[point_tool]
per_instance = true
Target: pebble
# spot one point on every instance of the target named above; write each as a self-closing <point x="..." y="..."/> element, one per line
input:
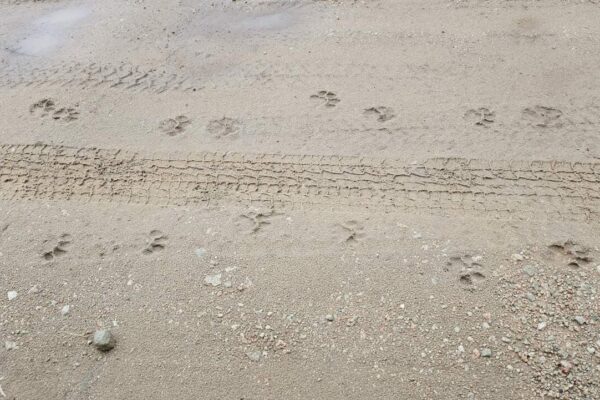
<point x="591" y="350"/>
<point x="485" y="352"/>
<point x="541" y="325"/>
<point x="530" y="270"/>
<point x="530" y="296"/>
<point x="11" y="295"/>
<point x="104" y="340"/>
<point x="8" y="345"/>
<point x="518" y="257"/>
<point x="565" y="367"/>
<point x="200" y="252"/>
<point x="214" y="280"/>
<point x="329" y="317"/>
<point x="34" y="290"/>
<point x="65" y="310"/>
<point x="580" y="320"/>
<point x="253" y="355"/>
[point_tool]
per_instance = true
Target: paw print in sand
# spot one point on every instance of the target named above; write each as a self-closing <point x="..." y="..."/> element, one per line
<point x="329" y="99"/>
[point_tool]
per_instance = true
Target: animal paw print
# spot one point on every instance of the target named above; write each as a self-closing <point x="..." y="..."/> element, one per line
<point x="480" y="116"/>
<point x="259" y="219"/>
<point x="468" y="268"/>
<point x="382" y="113"/>
<point x="351" y="232"/>
<point x="542" y="117"/>
<point x="573" y="254"/>
<point x="156" y="242"/>
<point x="48" y="108"/>
<point x="224" y="127"/>
<point x="64" y="241"/>
<point x="329" y="99"/>
<point x="174" y="126"/>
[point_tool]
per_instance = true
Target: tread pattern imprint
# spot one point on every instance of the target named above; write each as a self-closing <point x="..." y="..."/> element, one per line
<point x="564" y="189"/>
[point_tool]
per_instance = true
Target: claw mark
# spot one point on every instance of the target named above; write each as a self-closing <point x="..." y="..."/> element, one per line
<point x="259" y="219"/>
<point x="155" y="242"/>
<point x="59" y="249"/>
<point x="352" y="232"/>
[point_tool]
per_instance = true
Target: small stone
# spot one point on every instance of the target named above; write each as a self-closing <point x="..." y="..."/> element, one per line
<point x="11" y="295"/>
<point x="580" y="320"/>
<point x="565" y="367"/>
<point x="541" y="326"/>
<point x="485" y="352"/>
<point x="485" y="325"/>
<point x="200" y="252"/>
<point x="213" y="280"/>
<point x="461" y="349"/>
<point x="591" y="350"/>
<point x="65" y="310"/>
<point x="253" y="355"/>
<point x="329" y="317"/>
<point x="518" y="257"/>
<point x="34" y="290"/>
<point x="280" y="344"/>
<point x="530" y="296"/>
<point x="8" y="345"/>
<point x="530" y="270"/>
<point x="104" y="340"/>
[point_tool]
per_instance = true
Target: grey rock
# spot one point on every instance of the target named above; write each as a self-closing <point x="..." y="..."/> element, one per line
<point x="8" y="345"/>
<point x="329" y="317"/>
<point x="486" y="352"/>
<point x="530" y="270"/>
<point x="213" y="280"/>
<point x="104" y="340"/>
<point x="580" y="320"/>
<point x="254" y="355"/>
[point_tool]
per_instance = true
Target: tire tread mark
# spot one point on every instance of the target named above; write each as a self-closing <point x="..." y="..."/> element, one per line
<point x="566" y="189"/>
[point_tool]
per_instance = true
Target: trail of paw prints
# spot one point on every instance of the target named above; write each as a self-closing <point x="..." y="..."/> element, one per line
<point x="480" y="116"/>
<point x="174" y="126"/>
<point x="258" y="219"/>
<point x="58" y="250"/>
<point x="572" y="254"/>
<point x="543" y="117"/>
<point x="47" y="108"/>
<point x="350" y="232"/>
<point x="224" y="127"/>
<point x="326" y="98"/>
<point x="467" y="268"/>
<point x="382" y="113"/>
<point x="155" y="242"/>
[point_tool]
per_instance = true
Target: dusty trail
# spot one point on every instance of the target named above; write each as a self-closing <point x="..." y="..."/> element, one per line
<point x="300" y="199"/>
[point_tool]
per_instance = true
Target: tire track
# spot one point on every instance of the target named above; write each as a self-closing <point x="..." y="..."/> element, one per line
<point x="122" y="76"/>
<point x="564" y="189"/>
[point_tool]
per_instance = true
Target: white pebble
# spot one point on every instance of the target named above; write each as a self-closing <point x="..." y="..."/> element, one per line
<point x="12" y="295"/>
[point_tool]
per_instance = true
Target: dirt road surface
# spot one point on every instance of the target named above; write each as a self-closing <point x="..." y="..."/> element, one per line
<point x="385" y="199"/>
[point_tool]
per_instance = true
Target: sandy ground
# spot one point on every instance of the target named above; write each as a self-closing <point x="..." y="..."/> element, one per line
<point x="300" y="199"/>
